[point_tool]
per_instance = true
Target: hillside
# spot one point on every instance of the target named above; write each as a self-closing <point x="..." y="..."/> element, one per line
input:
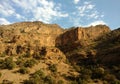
<point x="39" y="53"/>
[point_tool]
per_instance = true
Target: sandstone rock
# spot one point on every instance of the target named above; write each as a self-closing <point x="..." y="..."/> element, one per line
<point x="79" y="34"/>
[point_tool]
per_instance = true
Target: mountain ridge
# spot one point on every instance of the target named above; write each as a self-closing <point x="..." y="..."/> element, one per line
<point x="59" y="53"/>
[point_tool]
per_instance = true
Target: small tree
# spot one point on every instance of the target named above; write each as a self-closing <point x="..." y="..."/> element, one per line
<point x="30" y="63"/>
<point x="53" y="68"/>
<point x="8" y="63"/>
<point x="49" y="80"/>
<point x="23" y="70"/>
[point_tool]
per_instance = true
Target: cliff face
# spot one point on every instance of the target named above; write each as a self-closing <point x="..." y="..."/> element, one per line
<point x="79" y="34"/>
<point x="28" y="33"/>
<point x="49" y="35"/>
<point x="27" y="36"/>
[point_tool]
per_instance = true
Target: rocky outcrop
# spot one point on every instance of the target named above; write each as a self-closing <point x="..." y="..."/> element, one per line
<point x="79" y="34"/>
<point x="40" y="34"/>
<point x="20" y="38"/>
<point x="27" y="35"/>
<point x="32" y="33"/>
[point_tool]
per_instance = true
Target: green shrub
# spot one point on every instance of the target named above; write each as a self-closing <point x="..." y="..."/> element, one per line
<point x="39" y="78"/>
<point x="8" y="63"/>
<point x="53" y="68"/>
<point x="23" y="70"/>
<point x="27" y="54"/>
<point x="38" y="74"/>
<point x="30" y="63"/>
<point x="36" y="78"/>
<point x="20" y="61"/>
<point x="3" y="54"/>
<point x="49" y="80"/>
<point x="86" y="71"/>
<point x="98" y="73"/>
<point x="60" y="82"/>
<point x="0" y="74"/>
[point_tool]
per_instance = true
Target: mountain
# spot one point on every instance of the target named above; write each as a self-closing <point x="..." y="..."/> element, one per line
<point x="39" y="53"/>
<point x="109" y="47"/>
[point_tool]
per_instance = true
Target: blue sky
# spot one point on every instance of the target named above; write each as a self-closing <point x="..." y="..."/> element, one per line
<point x="66" y="13"/>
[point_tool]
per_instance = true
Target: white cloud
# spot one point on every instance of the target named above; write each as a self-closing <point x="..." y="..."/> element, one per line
<point x="86" y="13"/>
<point x="85" y="9"/>
<point x="48" y="11"/>
<point x="76" y="1"/>
<point x="100" y="22"/>
<point x="4" y="21"/>
<point x="94" y="15"/>
<point x="43" y="10"/>
<point x="6" y="9"/>
<point x="89" y="11"/>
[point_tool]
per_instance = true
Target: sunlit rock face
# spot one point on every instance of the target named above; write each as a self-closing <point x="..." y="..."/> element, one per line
<point x="80" y="34"/>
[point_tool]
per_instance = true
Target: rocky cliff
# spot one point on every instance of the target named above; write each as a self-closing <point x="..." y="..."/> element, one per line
<point x="28" y="33"/>
<point x="79" y="34"/>
<point x="46" y="52"/>
<point x="40" y="34"/>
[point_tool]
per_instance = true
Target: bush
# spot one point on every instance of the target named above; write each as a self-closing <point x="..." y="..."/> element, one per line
<point x="53" y="68"/>
<point x="49" y="80"/>
<point x="8" y="63"/>
<point x="3" y="54"/>
<point x="86" y="71"/>
<point x="30" y="63"/>
<point x="20" y="61"/>
<point x="27" y="54"/>
<point x="0" y="74"/>
<point x="23" y="70"/>
<point x="38" y="74"/>
<point x="98" y="73"/>
<point x="36" y="78"/>
<point x="60" y="82"/>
